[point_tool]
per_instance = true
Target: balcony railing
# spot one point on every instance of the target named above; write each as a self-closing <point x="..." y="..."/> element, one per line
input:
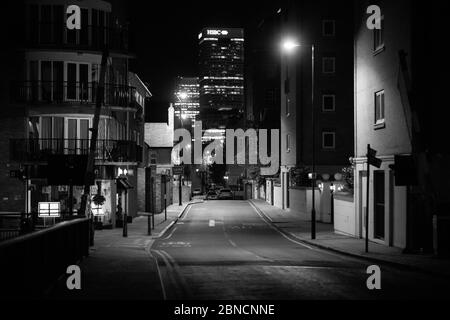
<point x="38" y="150"/>
<point x="54" y="92"/>
<point x="92" y="38"/>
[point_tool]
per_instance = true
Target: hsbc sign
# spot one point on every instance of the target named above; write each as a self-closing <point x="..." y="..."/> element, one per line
<point x="217" y="32"/>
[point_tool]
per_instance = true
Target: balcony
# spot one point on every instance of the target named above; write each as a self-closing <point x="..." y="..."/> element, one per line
<point x="50" y="35"/>
<point x="64" y="92"/>
<point x="108" y="151"/>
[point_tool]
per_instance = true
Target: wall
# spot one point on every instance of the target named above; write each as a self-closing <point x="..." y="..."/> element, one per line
<point x="160" y="135"/>
<point x="277" y="195"/>
<point x="297" y="201"/>
<point x="344" y="214"/>
<point x="186" y="194"/>
<point x="309" y="203"/>
<point x="141" y="189"/>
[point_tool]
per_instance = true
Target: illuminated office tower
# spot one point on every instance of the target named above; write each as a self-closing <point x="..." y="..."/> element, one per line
<point x="221" y="71"/>
<point x="186" y="101"/>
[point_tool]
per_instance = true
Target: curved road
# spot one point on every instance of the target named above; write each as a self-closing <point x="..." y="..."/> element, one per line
<point x="226" y="250"/>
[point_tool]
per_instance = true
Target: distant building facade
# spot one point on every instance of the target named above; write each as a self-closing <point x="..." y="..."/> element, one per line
<point x="186" y="101"/>
<point x="221" y="76"/>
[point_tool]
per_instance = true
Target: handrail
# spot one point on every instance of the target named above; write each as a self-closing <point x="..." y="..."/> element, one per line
<point x="36" y="234"/>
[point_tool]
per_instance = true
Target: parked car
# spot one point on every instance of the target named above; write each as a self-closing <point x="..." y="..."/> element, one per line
<point x="197" y="192"/>
<point x="212" y="195"/>
<point x="225" y="194"/>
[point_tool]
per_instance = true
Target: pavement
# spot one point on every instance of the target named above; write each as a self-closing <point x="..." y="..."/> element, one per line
<point x="116" y="262"/>
<point x="289" y="223"/>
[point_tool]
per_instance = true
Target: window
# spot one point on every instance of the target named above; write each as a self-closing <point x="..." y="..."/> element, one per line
<point x="328" y="140"/>
<point x="328" y="103"/>
<point x="329" y="65"/>
<point x="379" y="109"/>
<point x="328" y="28"/>
<point x="288" y="143"/>
<point x="378" y="37"/>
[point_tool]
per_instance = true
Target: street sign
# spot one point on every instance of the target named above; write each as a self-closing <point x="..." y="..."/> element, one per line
<point x="49" y="210"/>
<point x="372" y="158"/>
<point x="178" y="170"/>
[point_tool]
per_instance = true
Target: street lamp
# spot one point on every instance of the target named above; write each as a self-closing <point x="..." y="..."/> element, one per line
<point x="289" y="45"/>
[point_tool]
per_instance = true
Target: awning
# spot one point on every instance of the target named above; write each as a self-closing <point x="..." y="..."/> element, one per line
<point x="123" y="184"/>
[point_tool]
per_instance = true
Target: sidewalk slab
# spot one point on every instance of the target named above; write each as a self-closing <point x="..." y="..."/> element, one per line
<point x="326" y="238"/>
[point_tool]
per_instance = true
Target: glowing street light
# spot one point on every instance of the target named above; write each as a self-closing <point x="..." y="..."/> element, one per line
<point x="289" y="45"/>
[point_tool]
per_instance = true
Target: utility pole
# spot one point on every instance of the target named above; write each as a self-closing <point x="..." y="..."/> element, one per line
<point x="89" y="176"/>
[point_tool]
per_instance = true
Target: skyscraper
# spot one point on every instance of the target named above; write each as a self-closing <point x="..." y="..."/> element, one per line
<point x="186" y="101"/>
<point x="221" y="71"/>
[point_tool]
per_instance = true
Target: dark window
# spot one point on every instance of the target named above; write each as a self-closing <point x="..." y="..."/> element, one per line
<point x="329" y="28"/>
<point x="329" y="65"/>
<point x="328" y="103"/>
<point x="46" y="24"/>
<point x="329" y="140"/>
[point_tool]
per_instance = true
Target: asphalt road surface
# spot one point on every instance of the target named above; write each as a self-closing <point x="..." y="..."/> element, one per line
<point x="226" y="250"/>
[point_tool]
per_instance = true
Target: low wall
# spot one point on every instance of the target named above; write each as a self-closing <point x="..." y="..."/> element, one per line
<point x="186" y="194"/>
<point x="277" y="197"/>
<point x="309" y="203"/>
<point x="297" y="202"/>
<point x="344" y="214"/>
<point x="31" y="263"/>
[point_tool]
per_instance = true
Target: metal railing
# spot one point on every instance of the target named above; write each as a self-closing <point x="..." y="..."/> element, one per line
<point x="30" y="263"/>
<point x="35" y="150"/>
<point x="54" y="92"/>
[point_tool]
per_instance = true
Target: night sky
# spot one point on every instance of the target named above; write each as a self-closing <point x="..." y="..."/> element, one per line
<point x="165" y="34"/>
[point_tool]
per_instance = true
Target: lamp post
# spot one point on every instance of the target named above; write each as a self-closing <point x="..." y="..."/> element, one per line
<point x="288" y="46"/>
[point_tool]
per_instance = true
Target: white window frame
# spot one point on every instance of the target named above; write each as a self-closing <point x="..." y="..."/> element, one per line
<point x="334" y="140"/>
<point x="324" y="96"/>
<point x="288" y="143"/>
<point x="380" y="115"/>
<point x="324" y="59"/>
<point x="334" y="27"/>
<point x="378" y="47"/>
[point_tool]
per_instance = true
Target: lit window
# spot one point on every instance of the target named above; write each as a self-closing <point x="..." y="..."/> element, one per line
<point x="328" y="103"/>
<point x="379" y="108"/>
<point x="329" y="140"/>
<point x="328" y="28"/>
<point x="329" y="65"/>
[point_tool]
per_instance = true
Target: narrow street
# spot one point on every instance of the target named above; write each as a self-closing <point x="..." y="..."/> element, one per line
<point x="226" y="250"/>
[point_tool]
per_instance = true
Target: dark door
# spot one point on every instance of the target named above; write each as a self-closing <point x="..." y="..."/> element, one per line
<point x="379" y="203"/>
